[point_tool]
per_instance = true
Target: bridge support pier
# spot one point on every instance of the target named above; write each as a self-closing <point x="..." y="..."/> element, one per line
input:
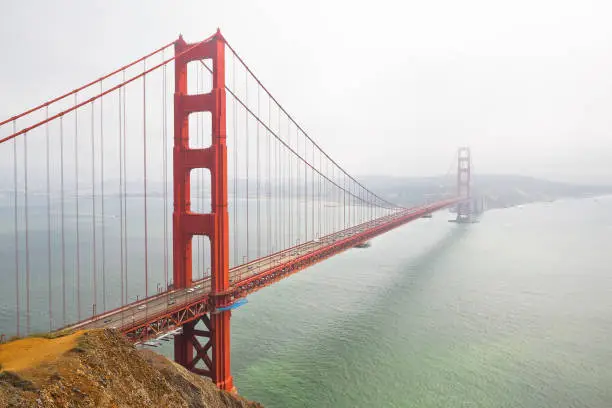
<point x="214" y="352"/>
<point x="207" y="346"/>
<point x="189" y="342"/>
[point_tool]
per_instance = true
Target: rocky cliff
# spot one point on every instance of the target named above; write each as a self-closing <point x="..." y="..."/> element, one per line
<point x="100" y="369"/>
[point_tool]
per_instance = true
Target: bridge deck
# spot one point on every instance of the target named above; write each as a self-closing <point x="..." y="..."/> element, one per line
<point x="161" y="313"/>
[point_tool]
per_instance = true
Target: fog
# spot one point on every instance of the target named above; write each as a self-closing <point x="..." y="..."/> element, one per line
<point x="386" y="88"/>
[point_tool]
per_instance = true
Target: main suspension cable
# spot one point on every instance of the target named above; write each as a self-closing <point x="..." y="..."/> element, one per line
<point x="295" y="122"/>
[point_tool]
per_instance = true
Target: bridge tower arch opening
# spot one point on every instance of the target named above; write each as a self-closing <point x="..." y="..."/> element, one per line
<point x="211" y="344"/>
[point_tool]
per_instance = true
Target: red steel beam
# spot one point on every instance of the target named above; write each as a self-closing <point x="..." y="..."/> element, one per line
<point x="155" y="325"/>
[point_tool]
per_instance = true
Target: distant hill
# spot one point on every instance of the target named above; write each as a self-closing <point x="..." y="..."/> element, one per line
<point x="499" y="190"/>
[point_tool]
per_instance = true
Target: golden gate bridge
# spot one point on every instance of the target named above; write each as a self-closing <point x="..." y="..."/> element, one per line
<point x="204" y="186"/>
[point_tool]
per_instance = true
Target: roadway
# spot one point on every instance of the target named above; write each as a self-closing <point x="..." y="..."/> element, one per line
<point x="146" y="309"/>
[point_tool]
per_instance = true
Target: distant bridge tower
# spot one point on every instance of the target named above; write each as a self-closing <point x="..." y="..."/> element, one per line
<point x="464" y="174"/>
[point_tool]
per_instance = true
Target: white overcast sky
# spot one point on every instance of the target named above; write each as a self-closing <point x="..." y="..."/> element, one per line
<point x="386" y="87"/>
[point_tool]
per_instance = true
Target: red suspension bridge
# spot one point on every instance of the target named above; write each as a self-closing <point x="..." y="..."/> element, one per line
<point x="153" y="207"/>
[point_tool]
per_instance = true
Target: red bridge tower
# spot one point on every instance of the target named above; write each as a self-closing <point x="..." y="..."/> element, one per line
<point x="215" y="225"/>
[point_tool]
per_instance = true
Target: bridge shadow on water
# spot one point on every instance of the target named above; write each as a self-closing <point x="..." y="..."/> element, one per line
<point x="334" y="367"/>
<point x="422" y="267"/>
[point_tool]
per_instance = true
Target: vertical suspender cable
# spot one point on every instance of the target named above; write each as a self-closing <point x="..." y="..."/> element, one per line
<point x="335" y="201"/>
<point x="312" y="192"/>
<point x="125" y="215"/>
<point x="63" y="230"/>
<point x="269" y="158"/>
<point x="27" y="230"/>
<point x="16" y="231"/>
<point x="144" y="165"/>
<point x="350" y="203"/>
<point x="258" y="183"/>
<point x="272" y="194"/>
<point x="305" y="192"/>
<point x="102" y="192"/>
<point x="49" y="223"/>
<point x="290" y="165"/>
<point x="327" y="196"/>
<point x="361" y="205"/>
<point x="287" y="196"/>
<point x="349" y="206"/>
<point x="76" y="183"/>
<point x="358" y="206"/>
<point x="342" y="197"/>
<point x="344" y="200"/>
<point x="280" y="190"/>
<point x="306" y="189"/>
<point x="121" y="233"/>
<point x="235" y="137"/>
<point x="269" y="186"/>
<point x="165" y="169"/>
<point x="356" y="192"/>
<point x="330" y="194"/>
<point x="93" y="204"/>
<point x="297" y="187"/>
<point x="202" y="179"/>
<point x="305" y="197"/>
<point x="306" y="212"/>
<point x="319" y="194"/>
<point x="356" y="201"/>
<point x="198" y="181"/>
<point x="277" y="196"/>
<point x="286" y="228"/>
<point x="280" y="218"/>
<point x="246" y="121"/>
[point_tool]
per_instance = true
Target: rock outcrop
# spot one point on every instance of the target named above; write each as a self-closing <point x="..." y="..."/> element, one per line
<point x="100" y="369"/>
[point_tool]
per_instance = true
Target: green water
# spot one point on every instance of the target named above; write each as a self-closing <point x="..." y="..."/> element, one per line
<point x="515" y="311"/>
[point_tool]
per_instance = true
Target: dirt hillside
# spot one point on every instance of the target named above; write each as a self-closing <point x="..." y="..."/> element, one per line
<point x="100" y="369"/>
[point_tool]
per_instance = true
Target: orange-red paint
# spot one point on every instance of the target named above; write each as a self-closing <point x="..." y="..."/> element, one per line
<point x="214" y="225"/>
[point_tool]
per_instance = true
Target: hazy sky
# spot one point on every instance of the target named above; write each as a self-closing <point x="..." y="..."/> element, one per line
<point x="386" y="87"/>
